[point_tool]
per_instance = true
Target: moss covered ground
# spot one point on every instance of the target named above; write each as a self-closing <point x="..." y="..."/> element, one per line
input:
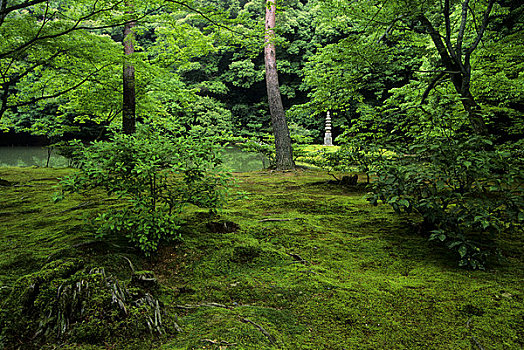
<point x="292" y="262"/>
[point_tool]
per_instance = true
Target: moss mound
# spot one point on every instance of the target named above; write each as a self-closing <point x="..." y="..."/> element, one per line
<point x="68" y="301"/>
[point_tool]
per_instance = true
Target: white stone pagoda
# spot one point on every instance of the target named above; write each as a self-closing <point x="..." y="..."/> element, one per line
<point x="328" y="140"/>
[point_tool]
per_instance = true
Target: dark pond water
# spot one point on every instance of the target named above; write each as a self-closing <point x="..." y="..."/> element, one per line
<point x="233" y="158"/>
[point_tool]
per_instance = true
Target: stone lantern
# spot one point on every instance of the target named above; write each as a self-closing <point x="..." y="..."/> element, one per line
<point x="328" y="140"/>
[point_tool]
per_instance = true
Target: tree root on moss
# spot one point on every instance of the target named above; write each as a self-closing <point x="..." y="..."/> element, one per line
<point x="259" y="327"/>
<point x="130" y="263"/>
<point x="69" y="301"/>
<point x="87" y="204"/>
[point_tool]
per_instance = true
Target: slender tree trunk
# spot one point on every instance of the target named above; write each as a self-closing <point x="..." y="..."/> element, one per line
<point x="129" y="103"/>
<point x="3" y="7"/>
<point x="459" y="73"/>
<point x="284" y="152"/>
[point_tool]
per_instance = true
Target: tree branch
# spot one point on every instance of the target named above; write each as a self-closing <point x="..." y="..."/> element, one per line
<point x="480" y="33"/>
<point x="448" y="61"/>
<point x="44" y="21"/>
<point x="376" y="14"/>
<point x="447" y="24"/>
<point x="431" y="86"/>
<point x="45" y="97"/>
<point x="4" y="10"/>
<point x="388" y="29"/>
<point x="76" y="26"/>
<point x="207" y="18"/>
<point x="462" y="28"/>
<point x="3" y="6"/>
<point x="7" y="84"/>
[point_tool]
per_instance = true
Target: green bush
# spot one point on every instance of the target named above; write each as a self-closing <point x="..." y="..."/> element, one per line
<point x="157" y="174"/>
<point x="467" y="190"/>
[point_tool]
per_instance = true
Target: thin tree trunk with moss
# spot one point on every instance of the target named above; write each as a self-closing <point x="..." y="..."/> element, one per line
<point x="284" y="152"/>
<point x="128" y="101"/>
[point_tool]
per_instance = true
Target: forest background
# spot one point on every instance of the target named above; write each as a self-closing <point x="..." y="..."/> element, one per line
<point x="426" y="100"/>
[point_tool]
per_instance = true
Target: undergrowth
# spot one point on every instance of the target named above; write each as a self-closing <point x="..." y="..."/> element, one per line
<point x="296" y="262"/>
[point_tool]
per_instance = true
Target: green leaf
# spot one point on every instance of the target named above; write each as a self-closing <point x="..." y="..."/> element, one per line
<point x="404" y="202"/>
<point x="463" y="250"/>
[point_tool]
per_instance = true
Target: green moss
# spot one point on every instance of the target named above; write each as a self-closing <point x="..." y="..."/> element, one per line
<point x="334" y="272"/>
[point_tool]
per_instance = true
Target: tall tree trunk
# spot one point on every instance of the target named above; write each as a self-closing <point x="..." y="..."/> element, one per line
<point x="128" y="100"/>
<point x="284" y="152"/>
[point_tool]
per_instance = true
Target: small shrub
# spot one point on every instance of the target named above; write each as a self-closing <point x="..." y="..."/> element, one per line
<point x="157" y="175"/>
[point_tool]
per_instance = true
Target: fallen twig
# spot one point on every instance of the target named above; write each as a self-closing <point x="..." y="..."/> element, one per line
<point x="130" y="263"/>
<point x="477" y="343"/>
<point x="221" y="342"/>
<point x="336" y="178"/>
<point x="479" y="346"/>
<point x="266" y="333"/>
<point x="192" y="306"/>
<point x="298" y="258"/>
<point x="266" y="220"/>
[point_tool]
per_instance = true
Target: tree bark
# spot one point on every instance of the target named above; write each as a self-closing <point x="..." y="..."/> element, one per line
<point x="3" y="11"/>
<point x="283" y="149"/>
<point x="129" y="99"/>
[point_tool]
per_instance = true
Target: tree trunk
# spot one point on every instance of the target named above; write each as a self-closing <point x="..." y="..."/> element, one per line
<point x="3" y="11"/>
<point x="284" y="152"/>
<point x="128" y="101"/>
<point x="460" y="76"/>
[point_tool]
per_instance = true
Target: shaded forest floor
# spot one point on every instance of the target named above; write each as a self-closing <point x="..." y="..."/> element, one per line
<point x="295" y="262"/>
